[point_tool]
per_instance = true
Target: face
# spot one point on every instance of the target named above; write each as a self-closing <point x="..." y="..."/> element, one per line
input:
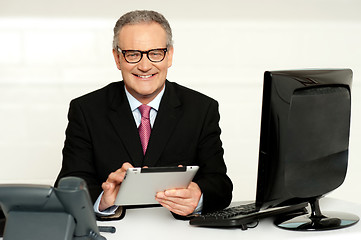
<point x="145" y="79"/>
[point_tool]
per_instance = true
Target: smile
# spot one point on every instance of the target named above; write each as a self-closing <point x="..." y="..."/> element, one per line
<point x="144" y="76"/>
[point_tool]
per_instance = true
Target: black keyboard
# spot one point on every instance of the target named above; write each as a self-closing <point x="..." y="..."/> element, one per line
<point x="243" y="215"/>
<point x="232" y="212"/>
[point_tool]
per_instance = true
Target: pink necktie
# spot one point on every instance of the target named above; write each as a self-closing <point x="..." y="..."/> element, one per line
<point x="144" y="127"/>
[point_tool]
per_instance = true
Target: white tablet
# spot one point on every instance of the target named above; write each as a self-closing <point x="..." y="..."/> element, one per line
<point x="140" y="185"/>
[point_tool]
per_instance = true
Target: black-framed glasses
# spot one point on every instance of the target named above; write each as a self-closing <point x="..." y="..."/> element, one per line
<point x="134" y="56"/>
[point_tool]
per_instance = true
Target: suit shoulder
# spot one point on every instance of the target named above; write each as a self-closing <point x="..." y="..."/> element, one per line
<point x="100" y="94"/>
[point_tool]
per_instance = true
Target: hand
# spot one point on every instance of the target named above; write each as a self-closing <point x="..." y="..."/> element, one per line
<point x="180" y="201"/>
<point x="111" y="186"/>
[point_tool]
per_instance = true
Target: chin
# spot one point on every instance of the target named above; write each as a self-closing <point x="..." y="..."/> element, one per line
<point x="145" y="89"/>
<point x="146" y="92"/>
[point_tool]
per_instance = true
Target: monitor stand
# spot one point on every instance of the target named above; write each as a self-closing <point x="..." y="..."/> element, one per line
<point x="316" y="221"/>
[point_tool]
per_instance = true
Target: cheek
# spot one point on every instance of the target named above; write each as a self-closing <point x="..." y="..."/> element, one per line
<point x="125" y="68"/>
<point x="164" y="67"/>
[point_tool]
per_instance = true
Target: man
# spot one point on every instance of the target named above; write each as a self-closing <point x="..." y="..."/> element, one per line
<point x="102" y="138"/>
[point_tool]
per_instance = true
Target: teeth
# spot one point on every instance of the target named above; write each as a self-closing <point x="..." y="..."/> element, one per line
<point x="148" y="76"/>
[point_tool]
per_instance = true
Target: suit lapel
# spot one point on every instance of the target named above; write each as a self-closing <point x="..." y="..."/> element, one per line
<point x="123" y="122"/>
<point x="167" y="118"/>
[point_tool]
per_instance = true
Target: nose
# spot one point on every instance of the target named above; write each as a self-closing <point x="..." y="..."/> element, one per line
<point x="145" y="64"/>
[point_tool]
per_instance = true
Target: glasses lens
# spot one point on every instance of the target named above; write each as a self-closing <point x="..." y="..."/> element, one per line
<point x="156" y="55"/>
<point x="133" y="56"/>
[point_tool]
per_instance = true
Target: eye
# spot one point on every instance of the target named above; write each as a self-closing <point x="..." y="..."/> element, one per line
<point x="132" y="54"/>
<point x="156" y="53"/>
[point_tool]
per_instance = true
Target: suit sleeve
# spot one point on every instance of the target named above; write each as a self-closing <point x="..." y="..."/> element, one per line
<point x="212" y="179"/>
<point x="78" y="151"/>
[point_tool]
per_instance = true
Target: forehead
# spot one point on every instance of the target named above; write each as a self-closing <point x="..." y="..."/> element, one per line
<point x="142" y="36"/>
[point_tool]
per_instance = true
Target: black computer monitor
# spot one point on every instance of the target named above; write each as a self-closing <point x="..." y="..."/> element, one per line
<point x="304" y="141"/>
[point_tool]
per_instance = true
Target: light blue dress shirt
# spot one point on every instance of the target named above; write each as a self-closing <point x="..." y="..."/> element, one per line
<point x="134" y="104"/>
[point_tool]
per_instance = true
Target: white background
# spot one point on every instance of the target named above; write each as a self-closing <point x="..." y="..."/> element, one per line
<point x="53" y="51"/>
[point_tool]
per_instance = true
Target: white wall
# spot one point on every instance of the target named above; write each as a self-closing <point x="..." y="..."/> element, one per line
<point x="54" y="51"/>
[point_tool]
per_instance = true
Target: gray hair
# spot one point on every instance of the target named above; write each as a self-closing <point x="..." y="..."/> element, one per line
<point x="142" y="16"/>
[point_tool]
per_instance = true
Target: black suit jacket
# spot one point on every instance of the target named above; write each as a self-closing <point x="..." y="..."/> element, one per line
<point x="102" y="135"/>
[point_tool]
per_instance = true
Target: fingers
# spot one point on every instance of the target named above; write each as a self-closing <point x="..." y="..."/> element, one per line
<point x="180" y="201"/>
<point x="117" y="177"/>
<point x="110" y="191"/>
<point x="126" y="165"/>
<point x="182" y="210"/>
<point x="178" y="193"/>
<point x="178" y="205"/>
<point x="111" y="186"/>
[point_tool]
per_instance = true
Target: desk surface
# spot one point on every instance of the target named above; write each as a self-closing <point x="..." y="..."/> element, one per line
<point x="158" y="223"/>
<point x="154" y="223"/>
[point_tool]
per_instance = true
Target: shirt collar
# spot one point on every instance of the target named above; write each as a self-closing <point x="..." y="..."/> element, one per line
<point x="134" y="103"/>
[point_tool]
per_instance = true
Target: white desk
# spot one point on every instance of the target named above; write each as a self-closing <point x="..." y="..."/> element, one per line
<point x="158" y="223"/>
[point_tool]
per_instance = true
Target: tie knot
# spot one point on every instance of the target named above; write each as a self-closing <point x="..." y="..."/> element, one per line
<point x="144" y="110"/>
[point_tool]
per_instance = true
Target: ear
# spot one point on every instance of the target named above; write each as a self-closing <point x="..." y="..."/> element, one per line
<point x="116" y="58"/>
<point x="170" y="56"/>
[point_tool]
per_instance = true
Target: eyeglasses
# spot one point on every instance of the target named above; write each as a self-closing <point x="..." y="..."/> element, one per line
<point x="134" y="56"/>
